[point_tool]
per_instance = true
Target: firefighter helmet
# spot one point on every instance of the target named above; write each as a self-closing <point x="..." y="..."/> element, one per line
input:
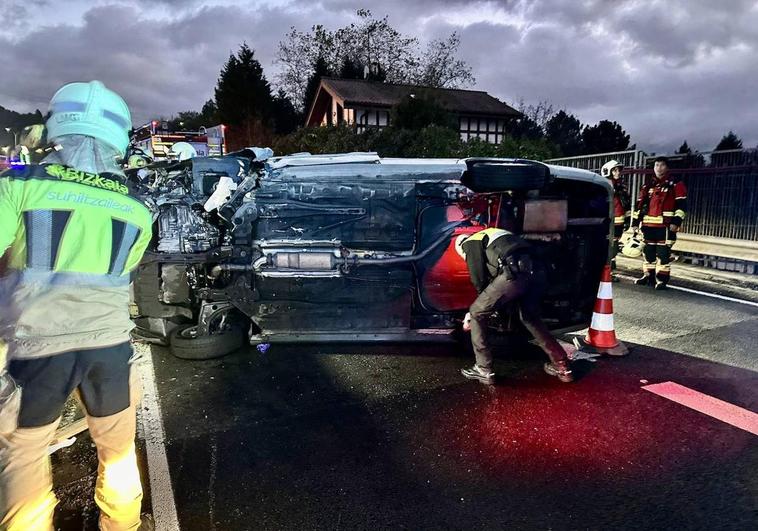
<point x="607" y="169"/>
<point x="633" y="247"/>
<point x="90" y="109"/>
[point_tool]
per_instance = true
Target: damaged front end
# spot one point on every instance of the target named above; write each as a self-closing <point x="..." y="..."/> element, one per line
<point x="351" y="247"/>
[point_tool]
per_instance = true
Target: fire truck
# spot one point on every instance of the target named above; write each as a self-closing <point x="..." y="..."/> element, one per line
<point x="157" y="141"/>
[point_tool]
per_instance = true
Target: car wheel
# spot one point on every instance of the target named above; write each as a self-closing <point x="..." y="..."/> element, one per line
<point x="187" y="345"/>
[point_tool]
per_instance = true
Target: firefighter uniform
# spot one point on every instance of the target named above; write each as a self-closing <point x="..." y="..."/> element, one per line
<point x="661" y="203"/>
<point x="71" y="233"/>
<point x="621" y="214"/>
<point x="72" y="239"/>
<point x="503" y="271"/>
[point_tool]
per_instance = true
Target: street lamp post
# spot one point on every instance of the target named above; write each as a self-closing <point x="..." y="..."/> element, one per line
<point x="15" y="136"/>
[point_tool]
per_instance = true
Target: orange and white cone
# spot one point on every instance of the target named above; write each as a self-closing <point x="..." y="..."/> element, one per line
<point x="601" y="336"/>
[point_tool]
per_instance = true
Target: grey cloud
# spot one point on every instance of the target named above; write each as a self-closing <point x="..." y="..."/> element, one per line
<point x="159" y="68"/>
<point x="665" y="70"/>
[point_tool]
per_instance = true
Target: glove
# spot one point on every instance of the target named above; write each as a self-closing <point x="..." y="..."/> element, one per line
<point x="467" y="322"/>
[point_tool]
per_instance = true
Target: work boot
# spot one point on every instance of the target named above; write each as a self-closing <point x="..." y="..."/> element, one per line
<point x="485" y="376"/>
<point x="660" y="286"/>
<point x="561" y="370"/>
<point x="645" y="280"/>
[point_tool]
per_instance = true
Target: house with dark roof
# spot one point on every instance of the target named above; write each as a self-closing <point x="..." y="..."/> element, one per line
<point x="364" y="104"/>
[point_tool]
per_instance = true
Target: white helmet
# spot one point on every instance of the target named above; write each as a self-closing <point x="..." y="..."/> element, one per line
<point x="633" y="247"/>
<point x="607" y="168"/>
<point x="182" y="151"/>
<point x="90" y="109"/>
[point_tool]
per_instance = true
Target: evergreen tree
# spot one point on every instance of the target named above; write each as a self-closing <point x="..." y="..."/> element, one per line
<point x="565" y="131"/>
<point x="320" y="69"/>
<point x="243" y="98"/>
<point x="684" y="149"/>
<point x="729" y="141"/>
<point x="604" y="137"/>
<point x="525" y="128"/>
<point x="350" y="69"/>
<point x="285" y="118"/>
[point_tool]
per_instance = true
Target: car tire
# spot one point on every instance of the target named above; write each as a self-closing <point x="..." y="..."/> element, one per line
<point x="492" y="176"/>
<point x="184" y="345"/>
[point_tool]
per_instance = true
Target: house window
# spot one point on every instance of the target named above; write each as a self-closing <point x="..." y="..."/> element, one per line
<point x="489" y="129"/>
<point x="371" y="118"/>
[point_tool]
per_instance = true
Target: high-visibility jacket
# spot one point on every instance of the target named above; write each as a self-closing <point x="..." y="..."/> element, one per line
<point x="661" y="203"/>
<point x="68" y="242"/>
<point x="485" y="252"/>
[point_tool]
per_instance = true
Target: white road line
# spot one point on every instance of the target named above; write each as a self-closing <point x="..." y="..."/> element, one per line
<point x="151" y="429"/>
<point x="704" y="293"/>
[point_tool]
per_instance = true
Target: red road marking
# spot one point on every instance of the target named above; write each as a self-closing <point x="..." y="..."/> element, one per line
<point x="713" y="407"/>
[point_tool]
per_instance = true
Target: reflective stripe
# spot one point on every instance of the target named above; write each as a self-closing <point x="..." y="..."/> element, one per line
<point x="668" y="213"/>
<point x="680" y="213"/>
<point x="492" y="233"/>
<point x="652" y="219"/>
<point x="605" y="291"/>
<point x="118" y="120"/>
<point x="123" y="238"/>
<point x="59" y="278"/>
<point x="618" y="220"/>
<point x="39" y="238"/>
<point x="681" y="197"/>
<point x="664" y="267"/>
<point x="602" y="322"/>
<point x="69" y="106"/>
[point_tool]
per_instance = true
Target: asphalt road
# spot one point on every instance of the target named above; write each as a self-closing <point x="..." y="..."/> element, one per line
<point x="391" y="437"/>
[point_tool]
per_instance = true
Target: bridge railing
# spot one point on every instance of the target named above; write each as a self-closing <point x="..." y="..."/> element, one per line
<point x="722" y="218"/>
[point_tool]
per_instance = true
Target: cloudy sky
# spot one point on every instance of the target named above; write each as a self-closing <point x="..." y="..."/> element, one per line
<point x="666" y="70"/>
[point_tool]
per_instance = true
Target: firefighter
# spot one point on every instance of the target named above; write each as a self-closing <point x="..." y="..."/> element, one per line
<point x="621" y="204"/>
<point x="73" y="230"/>
<point x="661" y="208"/>
<point x="503" y="270"/>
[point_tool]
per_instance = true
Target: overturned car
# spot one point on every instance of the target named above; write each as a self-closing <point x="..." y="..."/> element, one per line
<point x="352" y="247"/>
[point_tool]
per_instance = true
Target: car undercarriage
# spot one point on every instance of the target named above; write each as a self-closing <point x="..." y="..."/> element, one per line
<point x="351" y="247"/>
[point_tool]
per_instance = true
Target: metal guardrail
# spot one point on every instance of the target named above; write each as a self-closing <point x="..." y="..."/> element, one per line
<point x="630" y="159"/>
<point x="722" y="217"/>
<point x="710" y="246"/>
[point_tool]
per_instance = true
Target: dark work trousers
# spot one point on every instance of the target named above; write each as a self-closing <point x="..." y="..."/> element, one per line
<point x="527" y="290"/>
<point x="618" y="230"/>
<point x="658" y="243"/>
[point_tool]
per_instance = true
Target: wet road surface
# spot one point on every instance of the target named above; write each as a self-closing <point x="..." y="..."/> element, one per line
<point x="391" y="437"/>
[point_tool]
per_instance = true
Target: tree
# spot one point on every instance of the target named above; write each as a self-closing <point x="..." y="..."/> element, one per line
<point x="684" y="149"/>
<point x="16" y="122"/>
<point x="540" y="113"/>
<point x="439" y="66"/>
<point x="691" y="160"/>
<point x="285" y="118"/>
<point x="604" y="137"/>
<point x="419" y="111"/>
<point x="373" y="44"/>
<point x="350" y="69"/>
<point x="243" y="98"/>
<point x="729" y="141"/>
<point x="524" y="127"/>
<point x="320" y="70"/>
<point x="565" y="131"/>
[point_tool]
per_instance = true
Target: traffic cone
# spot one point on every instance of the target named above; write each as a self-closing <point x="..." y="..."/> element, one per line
<point x="601" y="337"/>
